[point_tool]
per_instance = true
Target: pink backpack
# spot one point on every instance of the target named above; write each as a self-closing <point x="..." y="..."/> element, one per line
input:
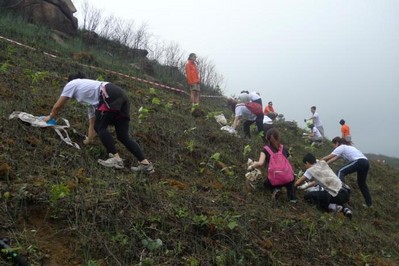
<point x="280" y="170"/>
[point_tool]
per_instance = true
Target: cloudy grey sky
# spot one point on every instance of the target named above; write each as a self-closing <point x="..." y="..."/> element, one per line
<point x="340" y="55"/>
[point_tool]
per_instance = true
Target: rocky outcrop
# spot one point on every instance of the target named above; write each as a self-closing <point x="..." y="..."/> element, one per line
<point x="55" y="14"/>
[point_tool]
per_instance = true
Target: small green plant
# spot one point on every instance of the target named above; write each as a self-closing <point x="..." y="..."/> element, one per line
<point x="143" y="113"/>
<point x="120" y="238"/>
<point x="200" y="220"/>
<point x="247" y="150"/>
<point x="212" y="115"/>
<point x="169" y="106"/>
<point x="189" y="130"/>
<point x="92" y="263"/>
<point x="192" y="261"/>
<point x="194" y="107"/>
<point x="151" y="244"/>
<point x="4" y="67"/>
<point x="153" y="91"/>
<point x="39" y="76"/>
<point x="58" y="192"/>
<point x="190" y="145"/>
<point x="181" y="213"/>
<point x="216" y="157"/>
<point x="211" y="162"/>
<point x="156" y="101"/>
<point x="100" y="77"/>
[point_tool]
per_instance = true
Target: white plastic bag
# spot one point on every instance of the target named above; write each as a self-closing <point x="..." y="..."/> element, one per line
<point x="221" y="119"/>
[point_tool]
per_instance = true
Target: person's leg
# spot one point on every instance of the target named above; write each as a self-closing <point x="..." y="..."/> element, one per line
<point x="321" y="130"/>
<point x="291" y="191"/>
<point x="122" y="134"/>
<point x="347" y="169"/>
<point x="102" y="121"/>
<point x="320" y="198"/>
<point x="247" y="128"/>
<point x="259" y="124"/>
<point x="197" y="97"/>
<point x="361" y="180"/>
<point x="341" y="198"/>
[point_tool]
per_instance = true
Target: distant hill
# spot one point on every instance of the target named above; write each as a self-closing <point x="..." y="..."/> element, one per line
<point x="379" y="158"/>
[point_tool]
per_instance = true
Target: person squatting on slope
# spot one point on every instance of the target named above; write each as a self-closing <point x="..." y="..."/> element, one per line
<point x="274" y="145"/>
<point x="193" y="78"/>
<point x="243" y="113"/>
<point x="315" y="135"/>
<point x="269" y="111"/>
<point x="357" y="162"/>
<point x="329" y="193"/>
<point x="109" y="105"/>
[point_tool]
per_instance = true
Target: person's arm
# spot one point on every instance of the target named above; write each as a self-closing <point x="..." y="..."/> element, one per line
<point x="300" y="181"/>
<point x="330" y="158"/>
<point x="91" y="133"/>
<point x="56" y="108"/>
<point x="236" y="122"/>
<point x="259" y="163"/>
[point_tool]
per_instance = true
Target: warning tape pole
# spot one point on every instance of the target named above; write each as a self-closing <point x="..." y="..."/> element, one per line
<point x="114" y="72"/>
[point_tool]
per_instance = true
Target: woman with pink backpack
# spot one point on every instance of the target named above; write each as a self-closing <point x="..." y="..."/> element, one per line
<point x="279" y="169"/>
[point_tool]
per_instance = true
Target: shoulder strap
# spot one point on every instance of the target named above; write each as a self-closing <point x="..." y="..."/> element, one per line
<point x="268" y="150"/>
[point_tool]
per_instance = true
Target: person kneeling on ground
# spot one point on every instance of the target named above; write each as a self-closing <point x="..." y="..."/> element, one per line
<point x="332" y="194"/>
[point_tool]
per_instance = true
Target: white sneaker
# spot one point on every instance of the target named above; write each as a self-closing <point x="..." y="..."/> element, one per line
<point x="348" y="213"/>
<point x="145" y="168"/>
<point x="112" y="162"/>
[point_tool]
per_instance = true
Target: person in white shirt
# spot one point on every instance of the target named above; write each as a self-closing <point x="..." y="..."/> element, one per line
<point x="253" y="96"/>
<point x="316" y="120"/>
<point x="245" y="115"/>
<point x="357" y="162"/>
<point x="108" y="105"/>
<point x="315" y="135"/>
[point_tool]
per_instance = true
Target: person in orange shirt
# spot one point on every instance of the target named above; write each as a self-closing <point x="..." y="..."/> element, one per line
<point x="345" y="130"/>
<point x="269" y="111"/>
<point x="193" y="79"/>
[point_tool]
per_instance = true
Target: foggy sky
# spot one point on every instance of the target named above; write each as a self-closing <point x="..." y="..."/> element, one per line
<point x="342" y="56"/>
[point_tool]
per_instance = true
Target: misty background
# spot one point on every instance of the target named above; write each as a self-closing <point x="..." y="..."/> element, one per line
<point x="341" y="56"/>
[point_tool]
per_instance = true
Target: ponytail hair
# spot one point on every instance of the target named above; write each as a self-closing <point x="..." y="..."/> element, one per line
<point x="340" y="141"/>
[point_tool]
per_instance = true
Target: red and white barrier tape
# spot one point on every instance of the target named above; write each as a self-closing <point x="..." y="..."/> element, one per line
<point x="114" y="72"/>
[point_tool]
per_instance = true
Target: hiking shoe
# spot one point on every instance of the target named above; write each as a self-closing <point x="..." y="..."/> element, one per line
<point x="112" y="162"/>
<point x="275" y="194"/>
<point x="144" y="168"/>
<point x="348" y="213"/>
<point x="367" y="206"/>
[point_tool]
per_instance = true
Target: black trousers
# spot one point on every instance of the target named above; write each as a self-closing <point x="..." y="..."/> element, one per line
<point x="105" y="119"/>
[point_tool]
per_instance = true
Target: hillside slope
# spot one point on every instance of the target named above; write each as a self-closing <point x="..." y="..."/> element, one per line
<point x="62" y="208"/>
